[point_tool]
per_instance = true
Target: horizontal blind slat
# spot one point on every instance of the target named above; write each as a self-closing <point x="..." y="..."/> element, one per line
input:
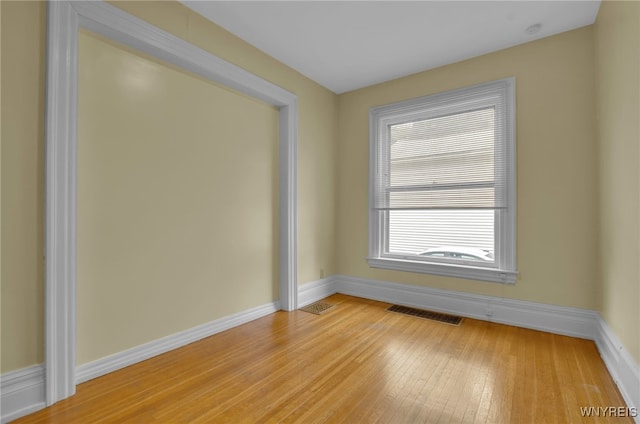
<point x="413" y="232"/>
<point x="453" y="156"/>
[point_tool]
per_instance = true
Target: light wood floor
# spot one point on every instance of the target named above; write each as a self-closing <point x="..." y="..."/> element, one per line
<point x="356" y="363"/>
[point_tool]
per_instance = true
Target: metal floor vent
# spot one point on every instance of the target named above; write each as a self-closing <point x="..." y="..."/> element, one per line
<point x="317" y="308"/>
<point x="434" y="316"/>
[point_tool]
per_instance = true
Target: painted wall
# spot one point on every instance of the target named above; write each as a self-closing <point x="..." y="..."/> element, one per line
<point x="559" y="258"/>
<point x="23" y="65"/>
<point x="617" y="37"/>
<point x="556" y="159"/>
<point x="317" y="126"/>
<point x="177" y="200"/>
<point x="23" y="50"/>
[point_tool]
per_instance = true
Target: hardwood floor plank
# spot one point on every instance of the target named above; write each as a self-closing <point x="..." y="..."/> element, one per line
<point x="355" y="363"/>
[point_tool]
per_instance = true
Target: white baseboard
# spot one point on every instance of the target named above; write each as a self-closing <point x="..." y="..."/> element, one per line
<point x="622" y="367"/>
<point x="553" y="319"/>
<point x="22" y="392"/>
<point x="562" y="320"/>
<point x="137" y="354"/>
<point x="316" y="290"/>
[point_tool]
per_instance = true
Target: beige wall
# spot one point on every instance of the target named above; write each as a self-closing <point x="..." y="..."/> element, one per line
<point x="23" y="49"/>
<point x="558" y="214"/>
<point x="317" y="126"/>
<point x="23" y="65"/>
<point x="556" y="157"/>
<point x="177" y="201"/>
<point x="617" y="36"/>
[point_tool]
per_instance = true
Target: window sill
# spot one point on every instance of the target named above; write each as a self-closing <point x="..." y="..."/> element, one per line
<point x="457" y="271"/>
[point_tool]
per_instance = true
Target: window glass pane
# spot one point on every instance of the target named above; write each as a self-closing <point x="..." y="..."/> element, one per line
<point x="454" y="149"/>
<point x="457" y="234"/>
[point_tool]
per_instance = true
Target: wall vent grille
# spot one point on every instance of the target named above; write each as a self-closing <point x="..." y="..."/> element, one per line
<point x="317" y="308"/>
<point x="420" y="313"/>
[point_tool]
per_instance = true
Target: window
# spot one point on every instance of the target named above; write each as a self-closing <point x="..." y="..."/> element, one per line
<point x="442" y="184"/>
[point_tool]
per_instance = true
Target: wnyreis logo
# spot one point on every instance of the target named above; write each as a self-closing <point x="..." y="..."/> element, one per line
<point x="608" y="411"/>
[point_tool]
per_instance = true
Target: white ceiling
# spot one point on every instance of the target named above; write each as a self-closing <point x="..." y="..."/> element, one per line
<point x="345" y="45"/>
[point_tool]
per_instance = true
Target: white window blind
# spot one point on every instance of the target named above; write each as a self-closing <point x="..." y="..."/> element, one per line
<point x="442" y="183"/>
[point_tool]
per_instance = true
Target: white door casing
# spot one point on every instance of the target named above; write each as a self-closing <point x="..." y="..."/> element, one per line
<point x="65" y="18"/>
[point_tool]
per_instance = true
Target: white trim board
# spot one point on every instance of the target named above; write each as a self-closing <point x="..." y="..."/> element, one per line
<point x="137" y="354"/>
<point x="65" y="18"/>
<point x="622" y="367"/>
<point x="22" y="392"/>
<point x="316" y="290"/>
<point x="537" y="316"/>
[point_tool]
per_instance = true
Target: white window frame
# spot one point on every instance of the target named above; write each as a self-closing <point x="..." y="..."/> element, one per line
<point x="503" y="270"/>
